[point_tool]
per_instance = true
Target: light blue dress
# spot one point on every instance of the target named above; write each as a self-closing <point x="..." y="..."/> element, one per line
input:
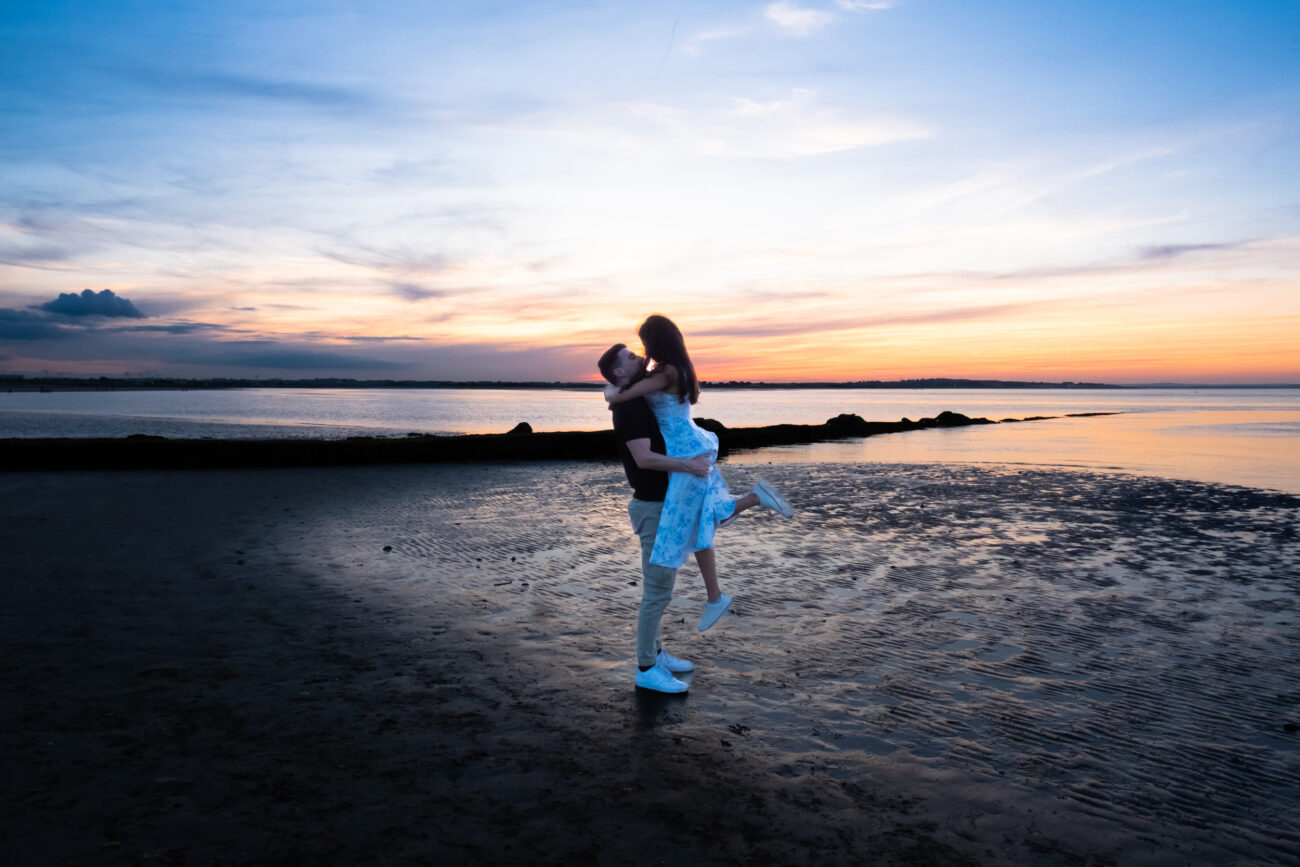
<point x="693" y="506"/>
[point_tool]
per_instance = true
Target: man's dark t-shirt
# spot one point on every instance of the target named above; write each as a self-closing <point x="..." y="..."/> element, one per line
<point x="634" y="420"/>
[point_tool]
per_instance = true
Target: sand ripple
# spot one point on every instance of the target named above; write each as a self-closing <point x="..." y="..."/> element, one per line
<point x="1100" y="647"/>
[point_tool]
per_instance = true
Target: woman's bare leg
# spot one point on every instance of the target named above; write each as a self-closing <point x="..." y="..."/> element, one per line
<point x="708" y="563"/>
<point x="748" y="501"/>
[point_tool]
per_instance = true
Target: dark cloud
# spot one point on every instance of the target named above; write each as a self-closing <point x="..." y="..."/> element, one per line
<point x="414" y="292"/>
<point x="394" y="339"/>
<point x="260" y="354"/>
<point x="1169" y="251"/>
<point x="89" y="303"/>
<point x="24" y="325"/>
<point x="179" y="328"/>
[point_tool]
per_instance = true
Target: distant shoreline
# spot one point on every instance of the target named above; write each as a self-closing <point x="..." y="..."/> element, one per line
<point x="105" y="383"/>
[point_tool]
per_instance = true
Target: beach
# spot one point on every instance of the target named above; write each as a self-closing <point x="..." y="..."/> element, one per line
<point x="931" y="664"/>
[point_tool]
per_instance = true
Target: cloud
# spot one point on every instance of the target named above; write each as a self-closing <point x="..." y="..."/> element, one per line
<point x="695" y="44"/>
<point x="865" y="5"/>
<point x="406" y="259"/>
<point x="413" y="292"/>
<point x="33" y="256"/>
<point x="50" y="321"/>
<point x="1170" y="251"/>
<point x="397" y="338"/>
<point x="22" y="325"/>
<point x="262" y="354"/>
<point x="796" y="126"/>
<point x="179" y="328"/>
<point x="922" y="317"/>
<point x="220" y="84"/>
<point x="796" y="19"/>
<point x="89" y="303"/>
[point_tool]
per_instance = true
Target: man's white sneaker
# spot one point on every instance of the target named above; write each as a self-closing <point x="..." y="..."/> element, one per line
<point x="673" y="664"/>
<point x="714" y="610"/>
<point x="770" y="499"/>
<point x="658" y="679"/>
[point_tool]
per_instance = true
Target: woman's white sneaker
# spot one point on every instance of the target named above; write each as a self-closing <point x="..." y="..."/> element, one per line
<point x="770" y="499"/>
<point x="713" y="611"/>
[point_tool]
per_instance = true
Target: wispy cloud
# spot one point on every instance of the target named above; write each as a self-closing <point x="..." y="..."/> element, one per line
<point x="176" y="328"/>
<point x="797" y="125"/>
<point x="797" y="20"/>
<point x="865" y="5"/>
<point x="696" y="43"/>
<point x="770" y="328"/>
<point x="1170" y="251"/>
<point x="255" y="354"/>
<point x="414" y="291"/>
<point x="35" y="255"/>
<point x="199" y="83"/>
<point x="406" y="259"/>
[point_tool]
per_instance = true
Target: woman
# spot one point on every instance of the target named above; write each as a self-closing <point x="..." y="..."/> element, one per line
<point x="694" y="507"/>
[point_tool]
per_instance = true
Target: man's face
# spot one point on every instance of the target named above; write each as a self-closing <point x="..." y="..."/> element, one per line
<point x="630" y="366"/>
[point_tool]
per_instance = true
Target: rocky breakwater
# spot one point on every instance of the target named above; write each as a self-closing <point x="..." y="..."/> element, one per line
<point x="521" y="443"/>
<point x="843" y="426"/>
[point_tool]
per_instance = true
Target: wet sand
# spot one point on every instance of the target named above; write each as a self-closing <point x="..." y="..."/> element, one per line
<point x="433" y="664"/>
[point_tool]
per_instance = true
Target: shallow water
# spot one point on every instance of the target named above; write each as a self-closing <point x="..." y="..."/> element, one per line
<point x="1259" y="449"/>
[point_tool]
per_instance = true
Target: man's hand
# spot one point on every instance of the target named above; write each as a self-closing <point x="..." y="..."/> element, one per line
<point x="700" y="465"/>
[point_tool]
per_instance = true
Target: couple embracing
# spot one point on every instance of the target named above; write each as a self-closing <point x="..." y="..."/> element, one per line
<point x="678" y="496"/>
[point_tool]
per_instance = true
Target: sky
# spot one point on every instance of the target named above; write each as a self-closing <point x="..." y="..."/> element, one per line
<point x="835" y="190"/>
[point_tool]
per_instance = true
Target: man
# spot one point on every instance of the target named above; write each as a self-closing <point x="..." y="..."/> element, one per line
<point x="641" y="447"/>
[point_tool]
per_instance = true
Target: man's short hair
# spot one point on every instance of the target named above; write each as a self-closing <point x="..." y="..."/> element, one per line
<point x="609" y="361"/>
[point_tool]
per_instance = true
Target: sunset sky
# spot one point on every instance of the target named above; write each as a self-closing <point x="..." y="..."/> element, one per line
<point x="833" y="190"/>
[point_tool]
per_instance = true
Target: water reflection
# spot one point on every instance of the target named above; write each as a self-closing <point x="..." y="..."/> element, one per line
<point x="1258" y="449"/>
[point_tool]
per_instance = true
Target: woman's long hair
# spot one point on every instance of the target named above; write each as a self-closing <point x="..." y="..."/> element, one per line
<point x="664" y="345"/>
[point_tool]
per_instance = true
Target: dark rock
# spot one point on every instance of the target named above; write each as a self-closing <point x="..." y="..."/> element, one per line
<point x="522" y="428"/>
<point x="947" y="418"/>
<point x="711" y="425"/>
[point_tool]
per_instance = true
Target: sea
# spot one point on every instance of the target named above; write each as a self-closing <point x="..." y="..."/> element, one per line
<point x="1236" y="436"/>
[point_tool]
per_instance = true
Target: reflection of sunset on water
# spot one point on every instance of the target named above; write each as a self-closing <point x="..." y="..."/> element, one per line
<point x="1255" y="449"/>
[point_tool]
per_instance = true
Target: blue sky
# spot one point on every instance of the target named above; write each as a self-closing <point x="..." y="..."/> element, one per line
<point x="837" y="190"/>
